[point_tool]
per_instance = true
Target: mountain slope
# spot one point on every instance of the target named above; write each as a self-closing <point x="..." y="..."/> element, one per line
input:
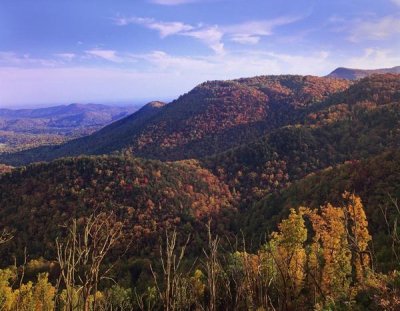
<point x="376" y="180"/>
<point x="112" y="137"/>
<point x="148" y="196"/>
<point x="355" y="74"/>
<point x="213" y="117"/>
<point x="363" y="121"/>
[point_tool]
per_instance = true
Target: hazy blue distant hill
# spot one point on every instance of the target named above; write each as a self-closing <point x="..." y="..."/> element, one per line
<point x="355" y="74"/>
<point x="63" y="117"/>
<point x="27" y="128"/>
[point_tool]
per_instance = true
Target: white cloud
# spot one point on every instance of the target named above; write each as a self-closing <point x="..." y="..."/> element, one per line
<point x="378" y="29"/>
<point x="245" y="39"/>
<point x="261" y="27"/>
<point x="252" y="31"/>
<point x="234" y="65"/>
<point x="211" y="36"/>
<point x="14" y="59"/>
<point x="109" y="55"/>
<point x="373" y="58"/>
<point x="164" y="28"/>
<point x="243" y="33"/>
<point x="396" y="2"/>
<point x="66" y="56"/>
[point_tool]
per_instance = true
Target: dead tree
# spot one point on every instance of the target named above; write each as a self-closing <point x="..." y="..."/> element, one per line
<point x="171" y="262"/>
<point x="82" y="253"/>
<point x="212" y="266"/>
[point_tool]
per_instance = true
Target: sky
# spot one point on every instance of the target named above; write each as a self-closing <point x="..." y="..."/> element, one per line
<point x="132" y="51"/>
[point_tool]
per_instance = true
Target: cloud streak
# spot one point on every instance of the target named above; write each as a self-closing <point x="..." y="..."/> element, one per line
<point x="109" y="55"/>
<point x="164" y="28"/>
<point x="252" y="31"/>
<point x="211" y="36"/>
<point x="248" y="33"/>
<point x="373" y="58"/>
<point x="378" y="29"/>
<point x="396" y="2"/>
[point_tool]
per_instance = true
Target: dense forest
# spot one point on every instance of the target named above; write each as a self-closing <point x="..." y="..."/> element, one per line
<point x="264" y="193"/>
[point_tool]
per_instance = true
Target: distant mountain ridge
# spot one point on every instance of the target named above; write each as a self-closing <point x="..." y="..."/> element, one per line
<point x="213" y="117"/>
<point x="77" y="114"/>
<point x="355" y="74"/>
<point x="27" y="128"/>
<point x="260" y="146"/>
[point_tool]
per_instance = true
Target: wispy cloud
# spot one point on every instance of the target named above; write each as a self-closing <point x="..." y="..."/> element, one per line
<point x="243" y="33"/>
<point x="234" y="65"/>
<point x="252" y="31"/>
<point x="372" y="58"/>
<point x="211" y="36"/>
<point x="164" y="28"/>
<point x="21" y="60"/>
<point x="396" y="2"/>
<point x="66" y="56"/>
<point x="109" y="55"/>
<point x="245" y="39"/>
<point x="378" y="29"/>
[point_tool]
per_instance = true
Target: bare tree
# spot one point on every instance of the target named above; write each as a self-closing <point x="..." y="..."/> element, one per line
<point x="392" y="227"/>
<point x="212" y="267"/>
<point x="82" y="253"/>
<point x="171" y="262"/>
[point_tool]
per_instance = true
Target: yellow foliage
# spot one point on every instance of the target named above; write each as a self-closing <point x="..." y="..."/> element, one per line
<point x="198" y="284"/>
<point x="287" y="247"/>
<point x="24" y="300"/>
<point x="7" y="295"/>
<point x="359" y="236"/>
<point x="44" y="293"/>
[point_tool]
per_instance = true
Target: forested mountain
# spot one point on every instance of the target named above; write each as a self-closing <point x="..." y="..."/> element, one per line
<point x="28" y="128"/>
<point x="362" y="121"/>
<point x="148" y="196"/>
<point x="307" y="131"/>
<point x="355" y="74"/>
<point x="62" y="117"/>
<point x="376" y="180"/>
<point x="211" y="118"/>
<point x="273" y="192"/>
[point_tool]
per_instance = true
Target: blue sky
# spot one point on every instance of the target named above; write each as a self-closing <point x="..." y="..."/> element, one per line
<point x="64" y="51"/>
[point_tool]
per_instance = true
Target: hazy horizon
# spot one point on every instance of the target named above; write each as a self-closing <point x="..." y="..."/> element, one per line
<point x="122" y="103"/>
<point x="74" y="51"/>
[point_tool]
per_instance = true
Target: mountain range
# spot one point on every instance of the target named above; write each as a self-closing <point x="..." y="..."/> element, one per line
<point x="355" y="74"/>
<point x="27" y="128"/>
<point x="239" y="153"/>
<point x="212" y="118"/>
<point x="256" y="136"/>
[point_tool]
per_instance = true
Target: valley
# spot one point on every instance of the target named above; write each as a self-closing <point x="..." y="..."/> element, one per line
<point x="246" y="164"/>
<point x="28" y="128"/>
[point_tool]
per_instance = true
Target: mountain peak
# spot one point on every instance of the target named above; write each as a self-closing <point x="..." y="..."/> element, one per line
<point x="156" y="104"/>
<point x="355" y="74"/>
